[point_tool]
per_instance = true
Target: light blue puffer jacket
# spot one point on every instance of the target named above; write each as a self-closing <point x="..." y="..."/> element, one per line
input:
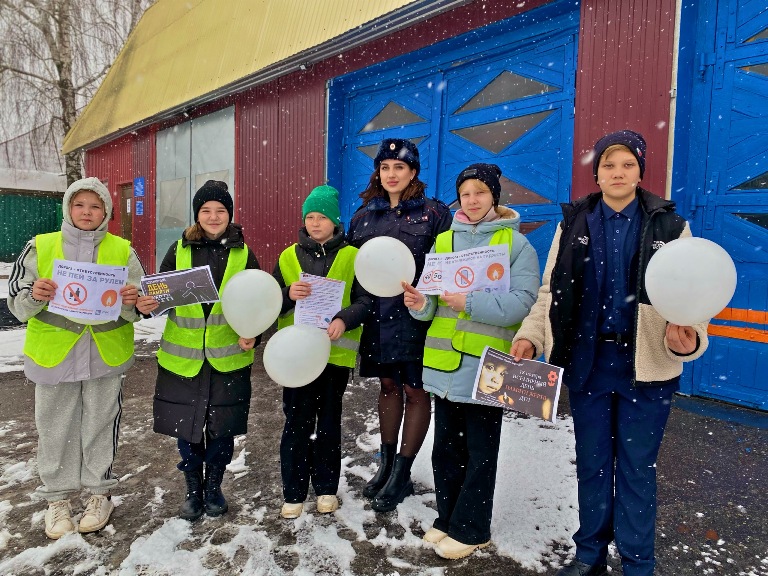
<point x="495" y="309"/>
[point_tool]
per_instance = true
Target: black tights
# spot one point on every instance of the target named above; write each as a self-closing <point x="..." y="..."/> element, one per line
<point x="417" y="411"/>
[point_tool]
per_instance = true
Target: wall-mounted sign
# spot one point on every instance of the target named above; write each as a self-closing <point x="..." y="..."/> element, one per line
<point x="139" y="208"/>
<point x="138" y="186"/>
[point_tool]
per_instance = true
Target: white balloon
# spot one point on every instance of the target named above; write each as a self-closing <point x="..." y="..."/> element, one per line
<point x="297" y="355"/>
<point x="251" y="302"/>
<point x="382" y="264"/>
<point x="690" y="280"/>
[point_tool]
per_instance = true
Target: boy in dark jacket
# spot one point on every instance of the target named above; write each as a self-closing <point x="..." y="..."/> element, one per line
<point x="310" y="448"/>
<point x="622" y="360"/>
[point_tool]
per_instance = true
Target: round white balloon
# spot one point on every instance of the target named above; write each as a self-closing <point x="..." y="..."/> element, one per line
<point x="251" y="302"/>
<point x="382" y="264"/>
<point x="690" y="280"/>
<point x="297" y="355"/>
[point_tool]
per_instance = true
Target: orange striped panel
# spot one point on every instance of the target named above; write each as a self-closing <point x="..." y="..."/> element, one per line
<point x="741" y="315"/>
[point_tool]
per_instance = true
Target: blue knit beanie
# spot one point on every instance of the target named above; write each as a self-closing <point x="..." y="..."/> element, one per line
<point x="632" y="140"/>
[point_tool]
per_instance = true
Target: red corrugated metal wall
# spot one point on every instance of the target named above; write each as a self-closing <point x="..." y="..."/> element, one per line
<point x="280" y="154"/>
<point x="113" y="165"/>
<point x="279" y="159"/>
<point x="623" y="81"/>
<point x="144" y="225"/>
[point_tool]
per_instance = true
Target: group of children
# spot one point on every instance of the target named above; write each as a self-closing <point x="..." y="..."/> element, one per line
<point x="591" y="315"/>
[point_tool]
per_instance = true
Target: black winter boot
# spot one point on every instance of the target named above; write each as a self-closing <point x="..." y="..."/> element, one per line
<point x="397" y="487"/>
<point x="192" y="508"/>
<point x="214" y="501"/>
<point x="382" y="474"/>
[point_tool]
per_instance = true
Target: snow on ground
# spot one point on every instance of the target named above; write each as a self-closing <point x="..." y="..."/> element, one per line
<point x="535" y="454"/>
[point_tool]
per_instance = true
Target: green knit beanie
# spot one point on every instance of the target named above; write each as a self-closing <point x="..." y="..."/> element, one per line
<point x="323" y="199"/>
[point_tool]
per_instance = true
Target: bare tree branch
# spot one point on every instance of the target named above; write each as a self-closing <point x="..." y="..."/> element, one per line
<point x="53" y="56"/>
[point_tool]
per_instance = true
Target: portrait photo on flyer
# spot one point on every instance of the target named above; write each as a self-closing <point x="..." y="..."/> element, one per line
<point x="527" y="386"/>
<point x="180" y="287"/>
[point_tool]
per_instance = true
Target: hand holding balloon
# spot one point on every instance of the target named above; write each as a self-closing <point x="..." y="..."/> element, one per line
<point x="681" y="339"/>
<point x="246" y="343"/>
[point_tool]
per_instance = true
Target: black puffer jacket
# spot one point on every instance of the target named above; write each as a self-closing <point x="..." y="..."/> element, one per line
<point x="391" y="334"/>
<point x="184" y="407"/>
<point x="317" y="259"/>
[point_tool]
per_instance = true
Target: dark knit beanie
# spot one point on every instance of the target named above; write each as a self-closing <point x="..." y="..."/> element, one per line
<point x="398" y="149"/>
<point x="487" y="173"/>
<point x="213" y="190"/>
<point x="323" y="199"/>
<point x="632" y="140"/>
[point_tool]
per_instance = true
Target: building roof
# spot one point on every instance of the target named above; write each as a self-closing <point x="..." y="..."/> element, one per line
<point x="184" y="53"/>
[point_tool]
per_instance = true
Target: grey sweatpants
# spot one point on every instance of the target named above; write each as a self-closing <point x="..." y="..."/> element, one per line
<point x="77" y="426"/>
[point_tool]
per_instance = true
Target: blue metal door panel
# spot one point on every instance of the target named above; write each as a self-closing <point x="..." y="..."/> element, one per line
<point x="730" y="202"/>
<point x="504" y="95"/>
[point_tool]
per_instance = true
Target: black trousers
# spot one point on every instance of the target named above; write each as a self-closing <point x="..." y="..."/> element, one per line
<point x="464" y="460"/>
<point x="213" y="452"/>
<point x="310" y="448"/>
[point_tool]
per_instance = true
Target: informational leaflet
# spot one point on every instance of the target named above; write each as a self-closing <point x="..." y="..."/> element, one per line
<point x="87" y="293"/>
<point x="180" y="287"/>
<point x="319" y="308"/>
<point x="485" y="268"/>
<point x="528" y="386"/>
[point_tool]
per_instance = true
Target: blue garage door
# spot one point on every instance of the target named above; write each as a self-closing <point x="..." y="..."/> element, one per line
<point x="502" y="94"/>
<point x="733" y="208"/>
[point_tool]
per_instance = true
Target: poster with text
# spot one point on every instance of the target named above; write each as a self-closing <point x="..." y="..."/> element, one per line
<point x="527" y="386"/>
<point x="485" y="269"/>
<point x="180" y="287"/>
<point x="87" y="293"/>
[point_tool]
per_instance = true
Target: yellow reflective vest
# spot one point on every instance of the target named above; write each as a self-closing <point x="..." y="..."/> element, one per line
<point x="189" y="337"/>
<point x="51" y="336"/>
<point x="343" y="350"/>
<point x="453" y="333"/>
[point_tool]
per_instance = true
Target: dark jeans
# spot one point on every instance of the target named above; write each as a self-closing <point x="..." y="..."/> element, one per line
<point x="618" y="431"/>
<point x="464" y="460"/>
<point x="310" y="448"/>
<point x="213" y="452"/>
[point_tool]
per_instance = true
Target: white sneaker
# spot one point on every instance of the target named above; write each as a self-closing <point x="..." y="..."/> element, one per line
<point x="97" y="511"/>
<point x="290" y="510"/>
<point x="58" y="519"/>
<point x="327" y="503"/>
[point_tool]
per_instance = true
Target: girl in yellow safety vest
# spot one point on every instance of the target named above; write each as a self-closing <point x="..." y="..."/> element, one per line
<point x="203" y="388"/>
<point x="467" y="432"/>
<point x="78" y="366"/>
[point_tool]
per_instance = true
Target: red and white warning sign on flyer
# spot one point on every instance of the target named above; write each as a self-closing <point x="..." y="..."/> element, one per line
<point x="87" y="293"/>
<point x="485" y="269"/>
